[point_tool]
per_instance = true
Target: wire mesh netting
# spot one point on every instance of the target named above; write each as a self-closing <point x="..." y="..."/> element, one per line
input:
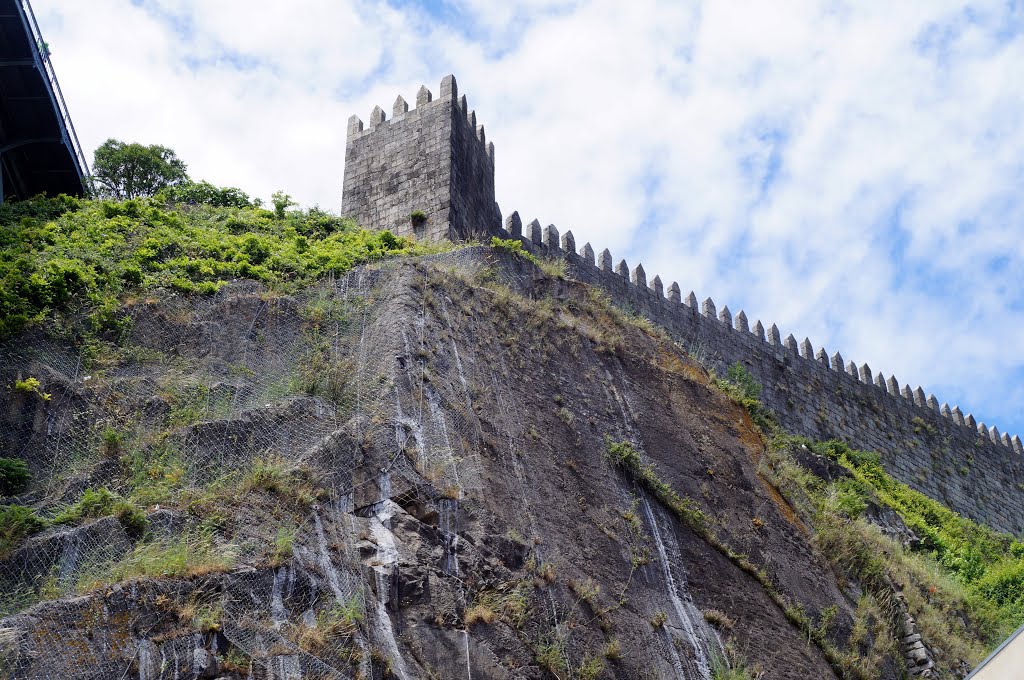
<point x="249" y="434"/>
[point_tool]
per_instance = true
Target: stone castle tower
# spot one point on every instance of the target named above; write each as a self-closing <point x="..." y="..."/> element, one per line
<point x="433" y="159"/>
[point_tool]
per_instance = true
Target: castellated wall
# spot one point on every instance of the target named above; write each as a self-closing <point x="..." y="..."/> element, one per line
<point x="970" y="467"/>
<point x="433" y="158"/>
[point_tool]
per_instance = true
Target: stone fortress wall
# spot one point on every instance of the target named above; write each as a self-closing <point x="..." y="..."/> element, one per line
<point x="435" y="159"/>
<point x="972" y="468"/>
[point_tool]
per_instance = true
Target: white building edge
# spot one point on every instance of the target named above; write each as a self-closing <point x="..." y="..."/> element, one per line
<point x="1005" y="663"/>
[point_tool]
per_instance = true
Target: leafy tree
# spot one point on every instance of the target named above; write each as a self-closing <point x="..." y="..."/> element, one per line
<point x="125" y="171"/>
<point x="282" y="202"/>
<point x="204" y="192"/>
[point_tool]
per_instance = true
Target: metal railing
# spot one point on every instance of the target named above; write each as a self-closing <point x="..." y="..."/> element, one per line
<point x="41" y="56"/>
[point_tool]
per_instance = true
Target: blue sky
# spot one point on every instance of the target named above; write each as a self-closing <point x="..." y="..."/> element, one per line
<point x="852" y="171"/>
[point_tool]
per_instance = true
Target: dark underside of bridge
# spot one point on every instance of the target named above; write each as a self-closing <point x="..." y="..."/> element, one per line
<point x="37" y="150"/>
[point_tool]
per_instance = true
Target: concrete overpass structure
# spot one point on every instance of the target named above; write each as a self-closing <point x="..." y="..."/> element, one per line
<point x="39" y="151"/>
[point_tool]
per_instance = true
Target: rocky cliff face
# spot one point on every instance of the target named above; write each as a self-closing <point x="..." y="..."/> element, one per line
<point x="405" y="473"/>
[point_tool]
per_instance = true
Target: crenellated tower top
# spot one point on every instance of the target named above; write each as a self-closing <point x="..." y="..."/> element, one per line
<point x="428" y="172"/>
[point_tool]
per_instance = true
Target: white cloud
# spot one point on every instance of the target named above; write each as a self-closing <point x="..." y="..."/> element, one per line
<point x="756" y="152"/>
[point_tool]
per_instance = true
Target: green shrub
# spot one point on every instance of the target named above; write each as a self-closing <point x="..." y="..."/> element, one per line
<point x="37" y="208"/>
<point x="550" y="655"/>
<point x="987" y="567"/>
<point x="110" y="320"/>
<point x="590" y="669"/>
<point x="207" y="618"/>
<point x="958" y="565"/>
<point x="963" y="546"/>
<point x="93" y="503"/>
<point x="1004" y="583"/>
<point x="282" y="478"/>
<point x="132" y="518"/>
<point x="282" y="202"/>
<point x="31" y="386"/>
<point x="333" y="625"/>
<point x="132" y="275"/>
<point x="509" y="601"/>
<point x="157" y="474"/>
<point x="514" y="246"/>
<point x="14" y="476"/>
<point x="730" y="665"/>
<point x="345" y="616"/>
<point x="849" y="498"/>
<point x="96" y="503"/>
<point x="17" y="522"/>
<point x="62" y="256"/>
<point x="283" y="545"/>
<point x="204" y="192"/>
<point x="748" y="386"/>
<point x="112" y="440"/>
<point x="269" y="475"/>
<point x="744" y="389"/>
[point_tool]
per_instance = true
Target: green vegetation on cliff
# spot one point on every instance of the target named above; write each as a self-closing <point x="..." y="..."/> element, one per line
<point x="64" y="254"/>
<point x="227" y="467"/>
<point x="17" y="522"/>
<point x="990" y="565"/>
<point x="963" y="581"/>
<point x="14" y="476"/>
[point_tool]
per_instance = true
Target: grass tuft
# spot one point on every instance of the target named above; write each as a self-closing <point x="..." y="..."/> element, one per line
<point x="192" y="554"/>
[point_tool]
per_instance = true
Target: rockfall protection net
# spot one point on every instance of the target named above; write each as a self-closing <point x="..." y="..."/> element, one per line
<point x="247" y="427"/>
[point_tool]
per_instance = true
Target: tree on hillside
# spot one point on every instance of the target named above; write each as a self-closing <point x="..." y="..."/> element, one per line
<point x="124" y="171"/>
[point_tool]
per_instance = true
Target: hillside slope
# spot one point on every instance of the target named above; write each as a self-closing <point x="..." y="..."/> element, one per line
<point x="452" y="466"/>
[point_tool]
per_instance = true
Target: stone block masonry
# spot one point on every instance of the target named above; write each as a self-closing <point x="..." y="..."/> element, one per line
<point x="433" y="159"/>
<point x="969" y="467"/>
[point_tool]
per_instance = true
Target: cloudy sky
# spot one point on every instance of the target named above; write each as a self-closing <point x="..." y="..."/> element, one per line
<point x="852" y="171"/>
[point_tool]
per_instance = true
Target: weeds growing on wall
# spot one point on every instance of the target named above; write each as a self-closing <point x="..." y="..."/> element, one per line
<point x="623" y="455"/>
<point x="981" y="569"/>
<point x="731" y="665"/>
<point x="745" y="390"/>
<point x="418" y="218"/>
<point x="31" y="386"/>
<point x="553" y="267"/>
<point x="64" y="254"/>
<point x="514" y="246"/>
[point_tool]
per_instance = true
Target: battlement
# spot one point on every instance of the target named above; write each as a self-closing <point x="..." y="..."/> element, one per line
<point x="427" y="173"/>
<point x="974" y="469"/>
